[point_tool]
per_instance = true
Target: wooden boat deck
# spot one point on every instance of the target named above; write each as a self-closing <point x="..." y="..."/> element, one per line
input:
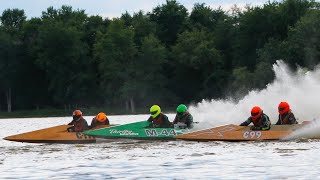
<point x="233" y="132"/>
<point x="56" y="134"/>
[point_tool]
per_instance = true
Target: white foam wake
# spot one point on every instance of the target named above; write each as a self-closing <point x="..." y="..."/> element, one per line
<point x="300" y="89"/>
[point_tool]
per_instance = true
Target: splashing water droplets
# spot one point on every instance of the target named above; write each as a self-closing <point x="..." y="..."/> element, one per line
<point x="300" y="89"/>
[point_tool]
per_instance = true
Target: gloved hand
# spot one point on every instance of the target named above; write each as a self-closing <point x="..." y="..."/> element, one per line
<point x="70" y="129"/>
<point x="254" y="128"/>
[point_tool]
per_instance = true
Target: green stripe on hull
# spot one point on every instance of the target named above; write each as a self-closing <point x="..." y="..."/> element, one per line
<point x="136" y="130"/>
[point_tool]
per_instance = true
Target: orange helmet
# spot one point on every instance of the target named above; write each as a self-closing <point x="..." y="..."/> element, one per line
<point x="283" y="107"/>
<point x="256" y="112"/>
<point x="101" y="117"/>
<point x="77" y="113"/>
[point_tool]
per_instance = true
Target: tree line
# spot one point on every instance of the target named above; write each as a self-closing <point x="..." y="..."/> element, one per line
<point x="68" y="59"/>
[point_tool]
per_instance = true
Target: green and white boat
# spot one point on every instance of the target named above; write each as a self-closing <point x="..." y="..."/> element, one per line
<point x="136" y="130"/>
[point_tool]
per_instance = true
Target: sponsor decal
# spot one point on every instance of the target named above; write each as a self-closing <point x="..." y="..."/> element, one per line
<point x="80" y="135"/>
<point x="252" y="134"/>
<point x="123" y="132"/>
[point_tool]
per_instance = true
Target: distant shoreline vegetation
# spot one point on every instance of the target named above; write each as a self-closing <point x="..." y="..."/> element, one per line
<point x="167" y="56"/>
<point x="68" y="113"/>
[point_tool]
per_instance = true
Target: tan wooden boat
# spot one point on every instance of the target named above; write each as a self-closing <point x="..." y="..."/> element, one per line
<point x="56" y="134"/>
<point x="233" y="132"/>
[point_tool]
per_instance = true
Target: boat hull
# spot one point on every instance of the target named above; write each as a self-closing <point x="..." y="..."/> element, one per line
<point x="56" y="134"/>
<point x="136" y="130"/>
<point x="233" y="132"/>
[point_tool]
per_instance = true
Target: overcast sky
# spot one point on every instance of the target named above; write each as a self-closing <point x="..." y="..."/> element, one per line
<point x="113" y="8"/>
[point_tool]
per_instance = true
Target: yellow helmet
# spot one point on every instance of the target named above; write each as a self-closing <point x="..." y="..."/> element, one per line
<point x="155" y="110"/>
<point x="101" y="117"/>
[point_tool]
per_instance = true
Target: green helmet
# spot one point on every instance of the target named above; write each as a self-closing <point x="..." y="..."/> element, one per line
<point x="181" y="108"/>
<point x="155" y="110"/>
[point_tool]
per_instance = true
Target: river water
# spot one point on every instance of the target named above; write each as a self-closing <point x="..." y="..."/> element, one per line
<point x="128" y="159"/>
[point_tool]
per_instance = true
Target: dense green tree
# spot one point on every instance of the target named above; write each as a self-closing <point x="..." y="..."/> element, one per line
<point x="66" y="15"/>
<point x="12" y="21"/>
<point x="142" y="26"/>
<point x="203" y="16"/>
<point x="224" y="34"/>
<point x="171" y="20"/>
<point x="127" y="19"/>
<point x="147" y="83"/>
<point x="272" y="51"/>
<point x="290" y="11"/>
<point x="8" y="64"/>
<point x="196" y="59"/>
<point x="241" y="82"/>
<point x="33" y="81"/>
<point x="115" y="52"/>
<point x="256" y="26"/>
<point x="65" y="70"/>
<point x="303" y="41"/>
<point x="165" y="56"/>
<point x="263" y="75"/>
<point x="93" y="25"/>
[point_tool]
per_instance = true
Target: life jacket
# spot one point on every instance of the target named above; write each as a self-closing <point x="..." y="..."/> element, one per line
<point x="182" y="120"/>
<point x="285" y="119"/>
<point x="259" y="122"/>
<point x="158" y="121"/>
<point x="79" y="125"/>
<point x="96" y="123"/>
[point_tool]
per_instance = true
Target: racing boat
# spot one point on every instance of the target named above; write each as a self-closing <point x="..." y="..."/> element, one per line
<point x="56" y="134"/>
<point x="233" y="132"/>
<point x="136" y="130"/>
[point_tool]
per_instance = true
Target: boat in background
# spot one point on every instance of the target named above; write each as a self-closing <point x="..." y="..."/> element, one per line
<point x="136" y="130"/>
<point x="233" y="132"/>
<point x="56" y="134"/>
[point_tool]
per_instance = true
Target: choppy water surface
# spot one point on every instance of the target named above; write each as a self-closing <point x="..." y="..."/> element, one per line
<point x="129" y="159"/>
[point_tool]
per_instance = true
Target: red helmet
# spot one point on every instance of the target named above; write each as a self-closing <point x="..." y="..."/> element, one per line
<point x="283" y="108"/>
<point x="77" y="113"/>
<point x="256" y="112"/>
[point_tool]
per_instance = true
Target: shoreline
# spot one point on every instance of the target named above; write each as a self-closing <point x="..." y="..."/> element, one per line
<point x="68" y="113"/>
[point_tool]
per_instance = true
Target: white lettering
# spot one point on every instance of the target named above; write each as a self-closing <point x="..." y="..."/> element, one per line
<point x="245" y="134"/>
<point x="258" y="133"/>
<point x="123" y="132"/>
<point x="252" y="134"/>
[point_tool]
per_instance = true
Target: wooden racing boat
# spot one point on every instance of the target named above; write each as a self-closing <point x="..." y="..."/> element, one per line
<point x="233" y="132"/>
<point x="136" y="130"/>
<point x="56" y="134"/>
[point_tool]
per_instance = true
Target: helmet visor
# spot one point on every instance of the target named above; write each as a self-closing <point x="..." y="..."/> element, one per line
<point x="281" y="109"/>
<point x="153" y="112"/>
<point x="254" y="114"/>
<point x="76" y="117"/>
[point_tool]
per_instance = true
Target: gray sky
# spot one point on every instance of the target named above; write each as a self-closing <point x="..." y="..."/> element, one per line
<point x="113" y="8"/>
